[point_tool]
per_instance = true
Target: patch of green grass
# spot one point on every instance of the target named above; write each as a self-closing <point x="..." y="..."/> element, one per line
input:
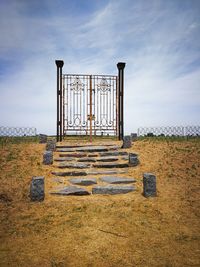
<point x="170" y="138"/>
<point x="11" y="156"/>
<point x="18" y="140"/>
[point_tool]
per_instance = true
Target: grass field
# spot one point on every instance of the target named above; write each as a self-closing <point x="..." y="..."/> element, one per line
<point x="108" y="231"/>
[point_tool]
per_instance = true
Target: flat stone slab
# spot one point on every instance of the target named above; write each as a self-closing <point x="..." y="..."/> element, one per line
<point x="112" y="189"/>
<point x="73" y="165"/>
<point x="64" y="159"/>
<point x="88" y="149"/>
<point x="107" y="159"/>
<point x="117" y="180"/>
<point x="57" y="180"/>
<point x="72" y="173"/>
<point x="71" y="190"/>
<point x="83" y="181"/>
<point x="84" y="173"/>
<point x="105" y="172"/>
<point x="87" y="160"/>
<point x="73" y="155"/>
<point x="111" y="165"/>
<point x="70" y="146"/>
<point x="114" y="153"/>
<point x="83" y="145"/>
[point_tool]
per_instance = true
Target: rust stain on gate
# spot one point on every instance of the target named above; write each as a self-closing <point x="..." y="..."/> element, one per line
<point x="89" y="104"/>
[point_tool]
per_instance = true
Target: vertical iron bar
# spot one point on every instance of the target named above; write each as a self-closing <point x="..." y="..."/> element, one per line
<point x="116" y="108"/>
<point x="59" y="64"/>
<point x="121" y="67"/>
<point x="90" y="108"/>
<point x="63" y="105"/>
<point x="61" y="97"/>
<point x="58" y="109"/>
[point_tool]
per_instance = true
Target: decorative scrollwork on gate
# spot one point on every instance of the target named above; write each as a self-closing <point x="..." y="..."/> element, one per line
<point x="77" y="85"/>
<point x="90" y="101"/>
<point x="103" y="85"/>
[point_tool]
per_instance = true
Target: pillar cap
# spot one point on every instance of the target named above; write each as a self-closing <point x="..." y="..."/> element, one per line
<point x="59" y="63"/>
<point x="121" y="65"/>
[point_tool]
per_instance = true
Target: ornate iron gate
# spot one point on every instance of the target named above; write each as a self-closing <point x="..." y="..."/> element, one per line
<point x="89" y="104"/>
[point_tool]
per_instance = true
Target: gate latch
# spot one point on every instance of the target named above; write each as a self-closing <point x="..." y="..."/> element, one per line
<point x="93" y="117"/>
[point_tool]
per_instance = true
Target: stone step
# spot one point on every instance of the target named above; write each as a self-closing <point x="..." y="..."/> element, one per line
<point x="64" y="159"/>
<point x="83" y="145"/>
<point x="84" y="173"/>
<point x="107" y="159"/>
<point x="88" y="149"/>
<point x="113" y="153"/>
<point x="117" y="180"/>
<point x="112" y="189"/>
<point x="74" y="155"/>
<point x="106" y="172"/>
<point x="111" y="165"/>
<point x="70" y="173"/>
<point x="87" y="160"/>
<point x="92" y="155"/>
<point x="83" y="181"/>
<point x="102" y="159"/>
<point x="71" y="190"/>
<point x="91" y="159"/>
<point x="81" y="165"/>
<point x="64" y="165"/>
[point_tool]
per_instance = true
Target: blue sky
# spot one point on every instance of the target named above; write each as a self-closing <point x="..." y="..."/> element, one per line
<point x="158" y="40"/>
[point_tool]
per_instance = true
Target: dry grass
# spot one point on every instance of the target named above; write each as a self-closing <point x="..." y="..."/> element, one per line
<point x="120" y="230"/>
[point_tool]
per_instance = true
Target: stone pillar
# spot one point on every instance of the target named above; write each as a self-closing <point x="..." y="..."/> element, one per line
<point x="42" y="138"/>
<point x="133" y="159"/>
<point x="149" y="185"/>
<point x="37" y="188"/>
<point x="48" y="157"/>
<point x="127" y="141"/>
<point x="133" y="136"/>
<point x="51" y="145"/>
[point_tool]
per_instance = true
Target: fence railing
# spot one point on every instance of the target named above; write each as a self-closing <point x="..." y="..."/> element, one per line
<point x="17" y="131"/>
<point x="169" y="131"/>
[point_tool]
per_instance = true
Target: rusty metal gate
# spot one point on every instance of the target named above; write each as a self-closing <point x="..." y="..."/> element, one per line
<point x="89" y="104"/>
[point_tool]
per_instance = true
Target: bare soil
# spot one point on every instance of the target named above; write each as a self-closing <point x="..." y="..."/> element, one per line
<point x="97" y="230"/>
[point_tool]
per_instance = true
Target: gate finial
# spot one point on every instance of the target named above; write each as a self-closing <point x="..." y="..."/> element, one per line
<point x="121" y="65"/>
<point x="59" y="63"/>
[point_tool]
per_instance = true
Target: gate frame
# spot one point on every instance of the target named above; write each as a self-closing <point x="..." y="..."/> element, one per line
<point x="120" y="93"/>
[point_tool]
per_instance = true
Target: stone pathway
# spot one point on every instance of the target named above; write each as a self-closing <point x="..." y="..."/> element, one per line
<point x="83" y="162"/>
